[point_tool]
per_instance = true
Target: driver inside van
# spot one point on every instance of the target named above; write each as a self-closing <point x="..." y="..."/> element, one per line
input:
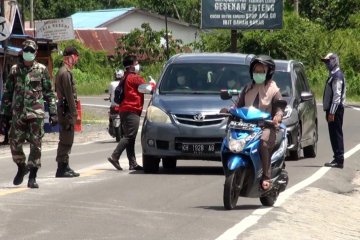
<point x="182" y="80"/>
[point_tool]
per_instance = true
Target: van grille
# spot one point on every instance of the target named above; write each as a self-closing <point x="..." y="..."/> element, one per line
<point x="198" y="119"/>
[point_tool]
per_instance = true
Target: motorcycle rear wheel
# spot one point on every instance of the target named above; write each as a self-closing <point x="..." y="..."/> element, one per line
<point x="232" y="189"/>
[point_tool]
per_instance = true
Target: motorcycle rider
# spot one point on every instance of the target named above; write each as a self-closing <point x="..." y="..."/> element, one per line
<point x="119" y="74"/>
<point x="261" y="93"/>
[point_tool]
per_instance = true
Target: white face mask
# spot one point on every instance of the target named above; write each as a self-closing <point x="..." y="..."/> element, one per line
<point x="181" y="80"/>
<point x="259" y="78"/>
<point x="137" y="68"/>
<point x="28" y="56"/>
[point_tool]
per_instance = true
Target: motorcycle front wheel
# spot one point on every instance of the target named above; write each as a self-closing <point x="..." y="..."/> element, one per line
<point x="232" y="189"/>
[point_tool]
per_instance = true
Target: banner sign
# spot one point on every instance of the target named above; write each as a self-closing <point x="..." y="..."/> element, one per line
<point x="55" y="29"/>
<point x="241" y="14"/>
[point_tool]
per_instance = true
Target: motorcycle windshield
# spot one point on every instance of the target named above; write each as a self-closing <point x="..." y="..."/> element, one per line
<point x="249" y="113"/>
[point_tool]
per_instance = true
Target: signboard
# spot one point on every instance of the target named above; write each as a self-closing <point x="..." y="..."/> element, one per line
<point x="241" y="14"/>
<point x="55" y="29"/>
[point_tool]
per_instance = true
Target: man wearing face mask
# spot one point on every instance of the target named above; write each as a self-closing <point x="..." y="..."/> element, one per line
<point x="261" y="93"/>
<point x="130" y="110"/>
<point x="333" y="105"/>
<point x="27" y="87"/>
<point x="67" y="99"/>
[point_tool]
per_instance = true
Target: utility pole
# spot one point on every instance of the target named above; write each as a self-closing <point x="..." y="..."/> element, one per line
<point x="167" y="34"/>
<point x="31" y="13"/>
<point x="233" y="40"/>
<point x="296" y="6"/>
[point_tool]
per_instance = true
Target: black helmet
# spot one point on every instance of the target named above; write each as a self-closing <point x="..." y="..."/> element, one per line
<point x="265" y="60"/>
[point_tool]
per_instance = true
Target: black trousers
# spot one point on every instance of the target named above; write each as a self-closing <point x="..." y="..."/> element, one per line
<point x="336" y="134"/>
<point x="129" y="126"/>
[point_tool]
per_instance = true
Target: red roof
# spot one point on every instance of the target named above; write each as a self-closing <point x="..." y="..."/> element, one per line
<point x="98" y="39"/>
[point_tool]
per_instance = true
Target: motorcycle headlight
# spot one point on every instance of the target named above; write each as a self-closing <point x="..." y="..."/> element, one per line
<point x="237" y="146"/>
<point x="287" y="112"/>
<point x="155" y="114"/>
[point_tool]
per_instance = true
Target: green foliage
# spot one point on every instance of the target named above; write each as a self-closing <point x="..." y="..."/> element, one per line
<point x="300" y="39"/>
<point x="333" y="14"/>
<point x="146" y="44"/>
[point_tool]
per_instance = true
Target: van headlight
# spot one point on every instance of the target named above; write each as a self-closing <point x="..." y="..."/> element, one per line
<point x="287" y="112"/>
<point x="155" y="114"/>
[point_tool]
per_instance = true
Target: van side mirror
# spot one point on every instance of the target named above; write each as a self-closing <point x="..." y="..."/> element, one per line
<point x="306" y="96"/>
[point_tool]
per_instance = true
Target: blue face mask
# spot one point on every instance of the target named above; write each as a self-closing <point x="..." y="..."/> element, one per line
<point x="28" y="56"/>
<point x="259" y="78"/>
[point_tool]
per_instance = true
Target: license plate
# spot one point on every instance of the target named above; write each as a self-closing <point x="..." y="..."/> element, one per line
<point x="198" y="148"/>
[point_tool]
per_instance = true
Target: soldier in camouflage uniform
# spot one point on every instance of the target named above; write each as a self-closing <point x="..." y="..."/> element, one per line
<point x="67" y="99"/>
<point x="27" y="88"/>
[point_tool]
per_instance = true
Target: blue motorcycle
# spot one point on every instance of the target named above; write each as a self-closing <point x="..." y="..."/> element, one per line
<point x="240" y="155"/>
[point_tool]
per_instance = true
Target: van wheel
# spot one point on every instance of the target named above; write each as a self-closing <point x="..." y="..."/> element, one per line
<point x="150" y="164"/>
<point x="296" y="154"/>
<point x="310" y="151"/>
<point x="169" y="162"/>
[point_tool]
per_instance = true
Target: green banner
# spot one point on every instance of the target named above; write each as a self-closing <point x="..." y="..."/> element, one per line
<point x="241" y="14"/>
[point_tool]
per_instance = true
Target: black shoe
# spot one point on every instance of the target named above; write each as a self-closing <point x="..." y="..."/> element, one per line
<point x="334" y="164"/>
<point x="63" y="173"/>
<point x="116" y="164"/>
<point x="32" y="183"/>
<point x="136" y="167"/>
<point x="32" y="178"/>
<point x="75" y="174"/>
<point x="22" y="171"/>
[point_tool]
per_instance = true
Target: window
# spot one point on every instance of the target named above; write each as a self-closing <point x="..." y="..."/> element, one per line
<point x="203" y="78"/>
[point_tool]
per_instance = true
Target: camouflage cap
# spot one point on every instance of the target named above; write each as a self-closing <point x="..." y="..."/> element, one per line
<point x="29" y="44"/>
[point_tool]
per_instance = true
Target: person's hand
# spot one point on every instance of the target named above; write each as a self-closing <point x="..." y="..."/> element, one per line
<point x="53" y="119"/>
<point x="4" y="124"/>
<point x="331" y="117"/>
<point x="277" y="120"/>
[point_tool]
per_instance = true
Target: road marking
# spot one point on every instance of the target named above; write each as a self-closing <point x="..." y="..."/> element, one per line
<point x="255" y="216"/>
<point x="10" y="191"/>
<point x="95" y="105"/>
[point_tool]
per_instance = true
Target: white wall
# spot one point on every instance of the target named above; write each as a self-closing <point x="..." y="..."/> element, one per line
<point x="134" y="20"/>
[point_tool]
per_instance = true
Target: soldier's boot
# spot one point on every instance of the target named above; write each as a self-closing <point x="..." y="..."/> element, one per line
<point x="32" y="178"/>
<point x="133" y="165"/>
<point x="22" y="171"/>
<point x="75" y="174"/>
<point x="62" y="171"/>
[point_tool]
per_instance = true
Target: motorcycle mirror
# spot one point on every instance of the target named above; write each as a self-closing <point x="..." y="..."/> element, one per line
<point x="281" y="104"/>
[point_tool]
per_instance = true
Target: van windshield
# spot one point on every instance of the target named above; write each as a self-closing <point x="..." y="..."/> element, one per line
<point x="203" y="78"/>
<point x="283" y="81"/>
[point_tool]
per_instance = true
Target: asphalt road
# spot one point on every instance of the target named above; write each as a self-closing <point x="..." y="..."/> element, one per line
<point x="108" y="204"/>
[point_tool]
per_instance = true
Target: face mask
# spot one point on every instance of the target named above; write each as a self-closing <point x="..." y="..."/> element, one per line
<point x="259" y="78"/>
<point x="137" y="68"/>
<point x="181" y="80"/>
<point x="231" y="83"/>
<point x="28" y="56"/>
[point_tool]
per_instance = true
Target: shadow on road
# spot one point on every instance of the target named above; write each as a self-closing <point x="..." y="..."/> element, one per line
<point x="187" y="170"/>
<point x="221" y="208"/>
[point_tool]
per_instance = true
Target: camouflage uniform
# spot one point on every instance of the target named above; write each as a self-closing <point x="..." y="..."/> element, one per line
<point x="67" y="112"/>
<point x="26" y="90"/>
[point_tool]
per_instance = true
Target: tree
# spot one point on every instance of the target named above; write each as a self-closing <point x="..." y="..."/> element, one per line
<point x="332" y="14"/>
<point x="146" y="44"/>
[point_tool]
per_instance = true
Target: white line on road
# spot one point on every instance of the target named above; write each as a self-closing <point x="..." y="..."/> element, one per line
<point x="256" y="215"/>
